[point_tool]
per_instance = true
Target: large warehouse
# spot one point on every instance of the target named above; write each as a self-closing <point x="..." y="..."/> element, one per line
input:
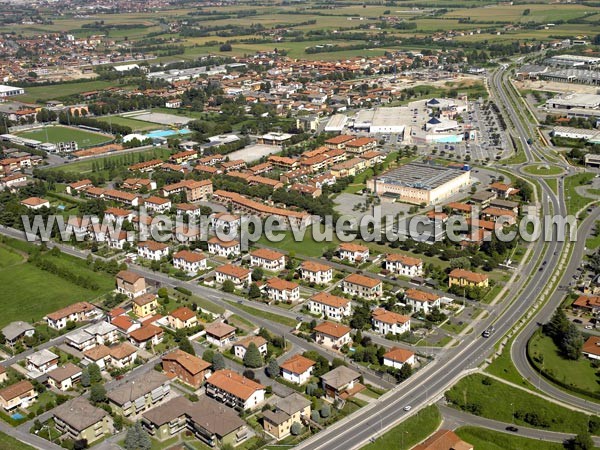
<point x="419" y="183"/>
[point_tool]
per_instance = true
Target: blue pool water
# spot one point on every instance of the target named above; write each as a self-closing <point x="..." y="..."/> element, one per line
<point x="166" y="133"/>
<point x="17" y="416"/>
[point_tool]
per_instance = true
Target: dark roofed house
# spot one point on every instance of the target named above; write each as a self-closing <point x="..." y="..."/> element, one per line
<point x="341" y="382"/>
<point x="139" y="394"/>
<point x="78" y="419"/>
<point x="17" y="330"/>
<point x="210" y="421"/>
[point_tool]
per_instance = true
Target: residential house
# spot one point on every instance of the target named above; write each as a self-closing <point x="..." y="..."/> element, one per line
<point x="341" y="383"/>
<point x="234" y="390"/>
<point x="118" y="356"/>
<point x="145" y="305"/>
<point x="396" y="357"/>
<point x="282" y="290"/>
<point x="502" y="190"/>
<point x="333" y="335"/>
<point x="388" y="322"/>
<point x="3" y="375"/>
<point x="78" y="186"/>
<point x="330" y="306"/>
<point x="224" y="248"/>
<point x="226" y="222"/>
<point x="190" y="262"/>
<point x="404" y="265"/>
<point x="317" y="273"/>
<point x="64" y="377"/>
<point x="148" y="334"/>
<point x="152" y="250"/>
<point x="81" y="340"/>
<point x="267" y="259"/>
<point x="78" y="420"/>
<point x="587" y="303"/>
<point x="297" y="369"/>
<point x="42" y="361"/>
<point x="35" y="203"/>
<point x="421" y="300"/>
<point x="353" y="253"/>
<point x="131" y="284"/>
<point x="118" y="215"/>
<point x="466" y="278"/>
<point x="278" y="421"/>
<point x="591" y="348"/>
<point x="157" y="205"/>
<point x="75" y="313"/>
<point x="182" y="317"/>
<point x="125" y="324"/>
<point x="239" y="276"/>
<point x="240" y="347"/>
<point x="362" y="286"/>
<point x="188" y="368"/>
<point x="209" y="421"/>
<point x="15" y="331"/>
<point x="189" y="209"/>
<point x="444" y="439"/>
<point x="194" y="190"/>
<point x="139" y="394"/>
<point x="18" y="395"/>
<point x="219" y="334"/>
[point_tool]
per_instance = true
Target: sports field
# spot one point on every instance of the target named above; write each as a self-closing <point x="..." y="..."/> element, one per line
<point x="57" y="133"/>
<point x="134" y="124"/>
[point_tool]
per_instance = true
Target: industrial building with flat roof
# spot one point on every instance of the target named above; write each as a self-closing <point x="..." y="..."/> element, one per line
<point x="10" y="91"/>
<point x="419" y="183"/>
<point x="585" y="101"/>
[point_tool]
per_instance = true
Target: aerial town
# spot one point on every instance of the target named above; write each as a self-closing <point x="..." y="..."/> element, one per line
<point x="258" y="225"/>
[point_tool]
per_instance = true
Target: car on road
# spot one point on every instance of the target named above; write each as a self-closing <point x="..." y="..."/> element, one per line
<point x="299" y="318"/>
<point x="589" y="327"/>
<point x="512" y="428"/>
<point x="577" y="321"/>
<point x="488" y="332"/>
<point x="407" y="408"/>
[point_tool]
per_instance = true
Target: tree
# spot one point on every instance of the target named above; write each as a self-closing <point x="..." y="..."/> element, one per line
<point x="137" y="438"/>
<point x="315" y="416"/>
<point x="296" y="428"/>
<point x="254" y="291"/>
<point x="273" y="368"/>
<point x="218" y="361"/>
<point x="95" y="373"/>
<point x="85" y="378"/>
<point x="228" y="286"/>
<point x="257" y="274"/>
<point x="97" y="393"/>
<point x="186" y="346"/>
<point x="253" y="358"/>
<point x="405" y="372"/>
<point x="572" y="342"/>
<point x="557" y="326"/>
<point x="208" y="355"/>
<point x="249" y="374"/>
<point x="80" y="444"/>
<point x="325" y="411"/>
<point x="583" y="441"/>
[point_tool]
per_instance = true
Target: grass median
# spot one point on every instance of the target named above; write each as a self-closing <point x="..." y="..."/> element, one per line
<point x="265" y="315"/>
<point x="482" y="439"/>
<point x="493" y="399"/>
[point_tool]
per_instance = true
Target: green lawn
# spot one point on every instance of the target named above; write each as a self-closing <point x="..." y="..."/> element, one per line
<point x="57" y="133"/>
<point x="29" y="293"/>
<point x="579" y="374"/>
<point x="575" y="201"/>
<point x="85" y="166"/>
<point x="265" y="315"/>
<point x="8" y="442"/>
<point x="543" y="169"/>
<point x="307" y="246"/>
<point x="410" y="432"/>
<point x="135" y="124"/>
<point x="483" y="439"/>
<point x="496" y="400"/>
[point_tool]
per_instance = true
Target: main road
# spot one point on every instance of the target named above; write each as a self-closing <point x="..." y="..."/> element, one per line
<point x="431" y="383"/>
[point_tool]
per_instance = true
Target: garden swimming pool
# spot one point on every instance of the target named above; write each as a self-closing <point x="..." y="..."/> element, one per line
<point x="17" y="416"/>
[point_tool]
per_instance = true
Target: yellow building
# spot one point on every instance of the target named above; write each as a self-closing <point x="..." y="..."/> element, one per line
<point x="289" y="410"/>
<point x="145" y="305"/>
<point x="466" y="278"/>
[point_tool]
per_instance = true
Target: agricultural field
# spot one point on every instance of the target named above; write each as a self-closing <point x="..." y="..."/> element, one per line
<point x="57" y="91"/>
<point x="45" y="292"/>
<point x="57" y="133"/>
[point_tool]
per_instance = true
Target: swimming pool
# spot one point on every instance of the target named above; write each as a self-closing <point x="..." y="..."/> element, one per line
<point x="166" y="133"/>
<point x="17" y="416"/>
